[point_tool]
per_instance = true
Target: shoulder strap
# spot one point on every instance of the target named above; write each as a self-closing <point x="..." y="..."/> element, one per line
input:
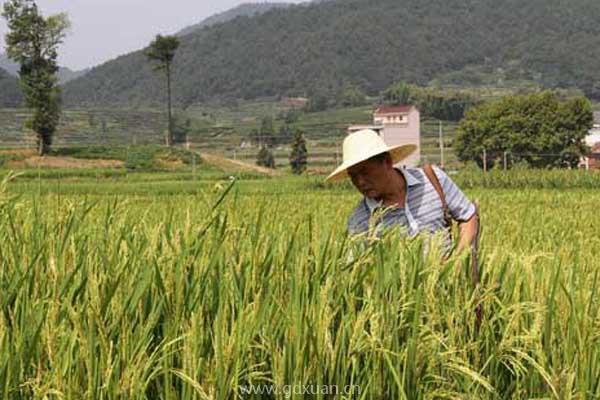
<point x="430" y="173"/>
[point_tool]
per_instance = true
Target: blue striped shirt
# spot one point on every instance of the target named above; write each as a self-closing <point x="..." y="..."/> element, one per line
<point x="422" y="211"/>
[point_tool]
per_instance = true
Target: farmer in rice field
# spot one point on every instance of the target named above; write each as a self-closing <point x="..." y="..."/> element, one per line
<point x="418" y="199"/>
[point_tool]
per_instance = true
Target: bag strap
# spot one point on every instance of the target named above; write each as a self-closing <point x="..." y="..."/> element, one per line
<point x="430" y="173"/>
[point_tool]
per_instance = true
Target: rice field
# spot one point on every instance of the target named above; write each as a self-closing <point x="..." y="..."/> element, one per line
<point x="153" y="288"/>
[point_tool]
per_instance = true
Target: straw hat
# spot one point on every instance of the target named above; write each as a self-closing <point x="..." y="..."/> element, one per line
<point x="362" y="145"/>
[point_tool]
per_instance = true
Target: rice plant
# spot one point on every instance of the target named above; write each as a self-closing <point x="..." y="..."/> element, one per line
<point x="204" y="295"/>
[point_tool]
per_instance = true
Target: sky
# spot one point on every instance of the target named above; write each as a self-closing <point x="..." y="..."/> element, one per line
<point x="104" y="29"/>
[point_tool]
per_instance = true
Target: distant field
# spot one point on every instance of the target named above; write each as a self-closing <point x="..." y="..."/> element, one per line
<point x="224" y="129"/>
<point x="217" y="130"/>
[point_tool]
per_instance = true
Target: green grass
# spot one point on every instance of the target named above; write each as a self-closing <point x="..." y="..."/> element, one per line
<point x="4" y="158"/>
<point x="151" y="286"/>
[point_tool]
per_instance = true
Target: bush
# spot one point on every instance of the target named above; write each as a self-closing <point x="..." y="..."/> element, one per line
<point x="140" y="159"/>
<point x="265" y="158"/>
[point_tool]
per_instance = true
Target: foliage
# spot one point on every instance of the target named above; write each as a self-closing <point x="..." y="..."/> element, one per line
<point x="299" y="154"/>
<point x="352" y="97"/>
<point x="182" y="127"/>
<point x="397" y="94"/>
<point x="319" y="101"/>
<point x="32" y="42"/>
<point x="446" y="105"/>
<point x="162" y="50"/>
<point x="243" y="10"/>
<point x="442" y="104"/>
<point x="538" y="128"/>
<point x="265" y="158"/>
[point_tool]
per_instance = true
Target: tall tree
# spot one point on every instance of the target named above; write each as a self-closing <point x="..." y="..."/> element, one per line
<point x="32" y="42"/>
<point x="162" y="50"/>
<point x="299" y="154"/>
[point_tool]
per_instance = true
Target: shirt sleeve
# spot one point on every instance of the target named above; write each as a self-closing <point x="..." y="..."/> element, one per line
<point x="461" y="208"/>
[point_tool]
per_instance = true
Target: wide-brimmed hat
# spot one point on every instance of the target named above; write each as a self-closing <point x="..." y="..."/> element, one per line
<point x="362" y="145"/>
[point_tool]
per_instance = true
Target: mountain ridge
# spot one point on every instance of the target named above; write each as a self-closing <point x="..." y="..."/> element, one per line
<point x="242" y="10"/>
<point x="326" y="46"/>
<point x="65" y="74"/>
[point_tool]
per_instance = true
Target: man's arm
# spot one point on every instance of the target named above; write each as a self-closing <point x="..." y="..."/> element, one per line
<point x="469" y="230"/>
<point x="463" y="211"/>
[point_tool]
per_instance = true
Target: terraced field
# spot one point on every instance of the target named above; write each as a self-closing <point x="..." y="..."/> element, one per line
<point x="216" y="130"/>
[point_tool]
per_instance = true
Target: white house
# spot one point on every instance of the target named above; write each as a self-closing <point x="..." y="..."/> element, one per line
<point x="592" y="161"/>
<point x="397" y="125"/>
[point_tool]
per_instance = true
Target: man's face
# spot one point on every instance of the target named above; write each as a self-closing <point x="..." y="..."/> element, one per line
<point x="371" y="177"/>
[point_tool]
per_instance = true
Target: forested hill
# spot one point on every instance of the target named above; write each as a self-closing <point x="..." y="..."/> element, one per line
<point x="370" y="43"/>
<point x="10" y="94"/>
<point x="243" y="10"/>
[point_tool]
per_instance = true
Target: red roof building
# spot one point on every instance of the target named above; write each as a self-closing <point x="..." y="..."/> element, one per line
<point x="397" y="125"/>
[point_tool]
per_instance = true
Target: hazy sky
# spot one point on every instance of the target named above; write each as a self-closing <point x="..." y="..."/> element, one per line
<point x="104" y="29"/>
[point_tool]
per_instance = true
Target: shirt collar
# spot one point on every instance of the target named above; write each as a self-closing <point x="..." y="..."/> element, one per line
<point x="373" y="204"/>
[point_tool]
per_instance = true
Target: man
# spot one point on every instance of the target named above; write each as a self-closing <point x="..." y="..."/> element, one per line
<point x="407" y="196"/>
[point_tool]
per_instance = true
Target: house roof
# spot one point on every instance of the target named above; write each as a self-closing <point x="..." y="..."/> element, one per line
<point x="393" y="109"/>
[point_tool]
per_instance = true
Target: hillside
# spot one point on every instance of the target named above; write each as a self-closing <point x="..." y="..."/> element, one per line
<point x="325" y="46"/>
<point x="10" y="94"/>
<point x="243" y="10"/>
<point x="8" y="66"/>
<point x="64" y="74"/>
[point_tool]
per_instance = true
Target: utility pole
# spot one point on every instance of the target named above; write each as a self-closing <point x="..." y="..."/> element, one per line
<point x="441" y="145"/>
<point x="505" y="166"/>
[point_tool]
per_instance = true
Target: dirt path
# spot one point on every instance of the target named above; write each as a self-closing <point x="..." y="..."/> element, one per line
<point x="228" y="164"/>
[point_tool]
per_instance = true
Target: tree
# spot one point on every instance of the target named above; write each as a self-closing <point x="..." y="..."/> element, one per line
<point x="439" y="104"/>
<point x="539" y="129"/>
<point x="182" y="126"/>
<point x="265" y="158"/>
<point x="352" y="97"/>
<point x="319" y="101"/>
<point x="32" y="42"/>
<point x="398" y="94"/>
<point x="299" y="154"/>
<point x="162" y="50"/>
